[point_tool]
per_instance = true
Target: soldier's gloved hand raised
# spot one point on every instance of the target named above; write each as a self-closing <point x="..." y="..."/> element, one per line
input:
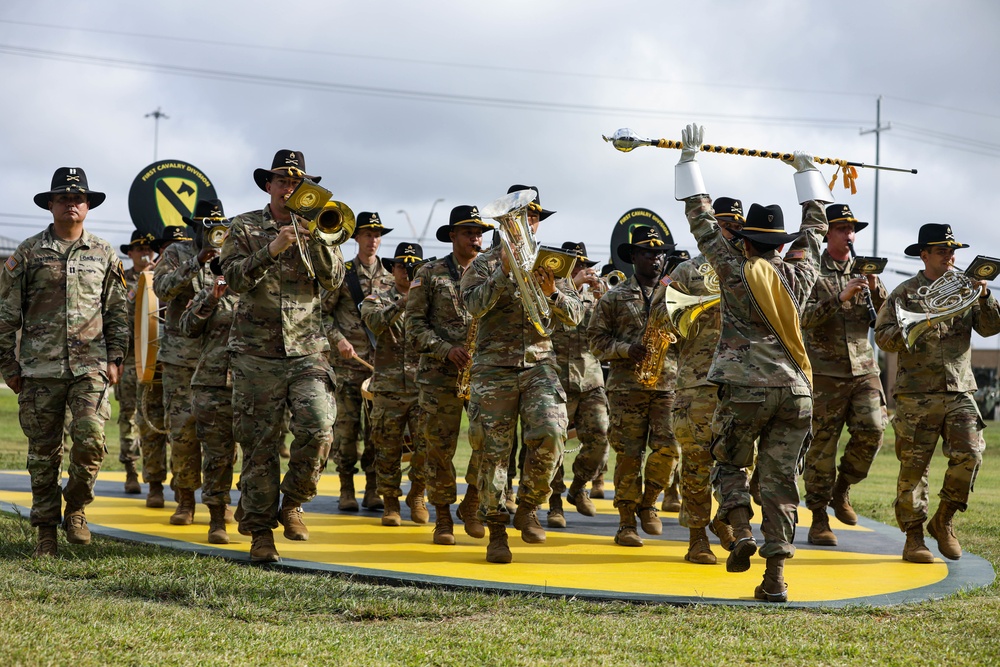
<point x="802" y="162"/>
<point x="692" y="137"/>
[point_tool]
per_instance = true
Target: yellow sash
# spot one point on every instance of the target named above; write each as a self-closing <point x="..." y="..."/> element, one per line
<point x="773" y="301"/>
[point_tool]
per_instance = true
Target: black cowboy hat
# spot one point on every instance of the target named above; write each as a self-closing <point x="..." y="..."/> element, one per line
<point x="69" y="180"/>
<point x="208" y="211"/>
<point x="581" y="253"/>
<point x="461" y="216"/>
<point x="765" y="224"/>
<point x="933" y="234"/>
<point x="842" y="213"/>
<point x="406" y="253"/>
<point x="285" y="163"/>
<point x="369" y="220"/>
<point x="536" y="203"/>
<point x="171" y="233"/>
<point x="727" y="207"/>
<point x="138" y="239"/>
<point x="644" y="237"/>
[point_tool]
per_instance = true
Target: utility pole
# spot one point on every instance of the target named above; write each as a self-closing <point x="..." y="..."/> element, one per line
<point x="879" y="128"/>
<point x="428" y="224"/>
<point x="157" y="115"/>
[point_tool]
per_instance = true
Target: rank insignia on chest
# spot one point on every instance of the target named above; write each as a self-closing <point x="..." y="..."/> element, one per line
<point x="11" y="263"/>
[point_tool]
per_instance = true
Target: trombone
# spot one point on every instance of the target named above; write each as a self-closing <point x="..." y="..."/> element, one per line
<point x="331" y="221"/>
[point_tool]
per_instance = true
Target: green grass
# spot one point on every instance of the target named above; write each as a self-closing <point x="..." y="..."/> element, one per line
<point x="123" y="603"/>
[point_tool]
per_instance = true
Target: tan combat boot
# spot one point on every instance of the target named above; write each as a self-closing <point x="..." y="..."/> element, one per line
<point x="841" y="503"/>
<point x="578" y="498"/>
<point x="671" y="499"/>
<point x="415" y="501"/>
<point x="556" y="517"/>
<point x="597" y="487"/>
<point x="75" y="525"/>
<point x="498" y="551"/>
<point x="914" y="550"/>
<point x="648" y="519"/>
<point x="942" y="529"/>
<point x="371" y="500"/>
<point x="627" y="535"/>
<point x="698" y="549"/>
<point x="820" y="532"/>
<point x="348" y="503"/>
<point x="468" y="514"/>
<point x="444" y="527"/>
<point x="262" y="549"/>
<point x="131" y="479"/>
<point x="290" y="517"/>
<point x="48" y="542"/>
<point x="217" y="525"/>
<point x="526" y="521"/>
<point x="744" y="545"/>
<point x="773" y="587"/>
<point x="390" y="514"/>
<point x="722" y="530"/>
<point x="154" y="497"/>
<point x="184" y="514"/>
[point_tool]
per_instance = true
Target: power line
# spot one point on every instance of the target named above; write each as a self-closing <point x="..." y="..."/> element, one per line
<point x="978" y="143"/>
<point x="397" y="93"/>
<point x="944" y="107"/>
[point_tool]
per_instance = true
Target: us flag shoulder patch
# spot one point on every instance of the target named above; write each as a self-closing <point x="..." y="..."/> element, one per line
<point x="371" y="297"/>
<point x="11" y="263"/>
<point x="415" y="283"/>
<point x="665" y="281"/>
<point x="795" y="255"/>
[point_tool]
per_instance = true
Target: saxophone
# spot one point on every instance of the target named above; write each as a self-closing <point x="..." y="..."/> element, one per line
<point x="464" y="386"/>
<point x="657" y="339"/>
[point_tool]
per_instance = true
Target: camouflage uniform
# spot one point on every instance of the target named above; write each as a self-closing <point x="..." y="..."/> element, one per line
<point x="846" y="385"/>
<point x="208" y="318"/>
<point x="177" y="277"/>
<point x="514" y="374"/>
<point x="343" y="321"/>
<point x="437" y="321"/>
<point x="640" y="416"/>
<point x="279" y="359"/>
<point x="697" y="398"/>
<point x="394" y="385"/>
<point x="127" y="388"/>
<point x="934" y="398"/>
<point x="762" y="393"/>
<point x="67" y="298"/>
<point x="586" y="399"/>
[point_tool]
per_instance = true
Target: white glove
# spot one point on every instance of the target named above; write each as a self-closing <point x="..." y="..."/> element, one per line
<point x="692" y="136"/>
<point x="802" y="162"/>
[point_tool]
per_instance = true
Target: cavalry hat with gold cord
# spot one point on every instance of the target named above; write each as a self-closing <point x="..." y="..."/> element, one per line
<point x="536" y="203"/>
<point x="370" y="220"/>
<point x="933" y="234"/>
<point x="462" y="215"/>
<point x="69" y="180"/>
<point x="285" y="163"/>
<point x="644" y="237"/>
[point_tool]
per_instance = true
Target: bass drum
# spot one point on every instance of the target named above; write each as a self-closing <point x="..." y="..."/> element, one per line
<point x="147" y="329"/>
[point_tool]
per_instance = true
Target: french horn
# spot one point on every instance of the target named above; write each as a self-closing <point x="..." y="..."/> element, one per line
<point x="949" y="296"/>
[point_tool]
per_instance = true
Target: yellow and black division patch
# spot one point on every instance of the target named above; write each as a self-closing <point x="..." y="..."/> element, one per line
<point x="120" y="272"/>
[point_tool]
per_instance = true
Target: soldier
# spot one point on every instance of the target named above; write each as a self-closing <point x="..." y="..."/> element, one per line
<point x="350" y="341"/>
<point x="846" y="384"/>
<point x="181" y="272"/>
<point x="437" y="326"/>
<point x="934" y="395"/>
<point x="586" y="401"/>
<point x="394" y="385"/>
<point x="64" y="291"/>
<point x="140" y="252"/>
<point x="279" y="356"/>
<point x="760" y="365"/>
<point x="513" y="375"/>
<point x="697" y="398"/>
<point x="640" y="413"/>
<point x="208" y="318"/>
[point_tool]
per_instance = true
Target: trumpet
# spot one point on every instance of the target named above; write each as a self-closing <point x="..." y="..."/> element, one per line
<point x="511" y="211"/>
<point x="331" y="221"/>
<point x="949" y="296"/>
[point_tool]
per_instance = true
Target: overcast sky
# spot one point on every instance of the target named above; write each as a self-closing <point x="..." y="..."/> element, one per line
<point x="398" y="104"/>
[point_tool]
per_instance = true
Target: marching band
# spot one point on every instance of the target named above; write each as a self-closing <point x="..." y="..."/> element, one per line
<point x="749" y="357"/>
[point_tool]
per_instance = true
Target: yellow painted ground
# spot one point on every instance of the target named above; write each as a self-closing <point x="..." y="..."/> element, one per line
<point x="567" y="560"/>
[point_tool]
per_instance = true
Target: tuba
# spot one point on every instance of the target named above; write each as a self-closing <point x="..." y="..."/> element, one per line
<point x="950" y="295"/>
<point x="511" y="211"/>
<point x="331" y="221"/>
